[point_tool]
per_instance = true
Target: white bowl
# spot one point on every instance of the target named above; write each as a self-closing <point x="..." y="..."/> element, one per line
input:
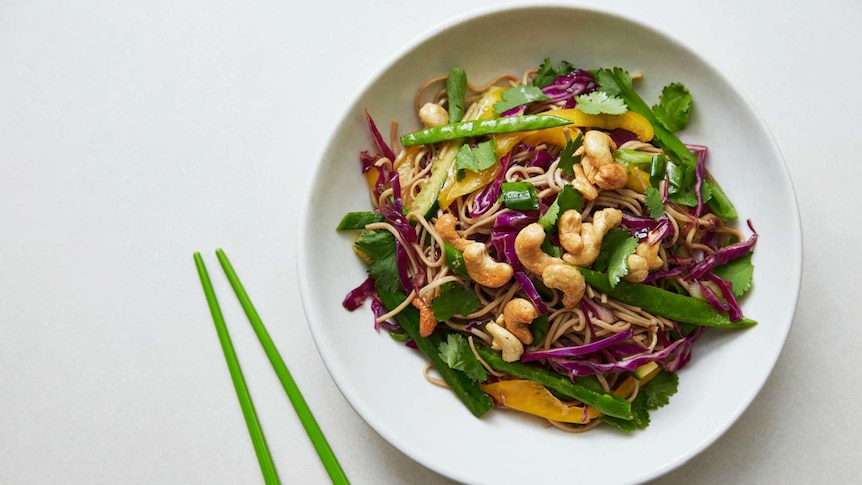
<point x="383" y="380"/>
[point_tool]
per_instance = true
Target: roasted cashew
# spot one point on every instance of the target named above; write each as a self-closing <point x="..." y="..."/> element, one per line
<point x="445" y="228"/>
<point x="582" y="184"/>
<point x="582" y="241"/>
<point x="567" y="279"/>
<point x="598" y="161"/>
<point x="528" y="247"/>
<point x="644" y="260"/>
<point x="484" y="269"/>
<point x="427" y="320"/>
<point x="432" y="114"/>
<point x="517" y="314"/>
<point x="505" y="341"/>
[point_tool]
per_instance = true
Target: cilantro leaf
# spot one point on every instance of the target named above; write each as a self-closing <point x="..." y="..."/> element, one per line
<point x="654" y="202"/>
<point x="613" y="81"/>
<point x="738" y="272"/>
<point x="475" y="159"/>
<point x="616" y="248"/>
<point x="456" y="353"/>
<point x="598" y="102"/>
<point x="569" y="198"/>
<point x="377" y="248"/>
<point x="674" y="107"/>
<point x="652" y="395"/>
<point x="517" y="96"/>
<point x="454" y="299"/>
<point x="547" y="74"/>
<point x="567" y="156"/>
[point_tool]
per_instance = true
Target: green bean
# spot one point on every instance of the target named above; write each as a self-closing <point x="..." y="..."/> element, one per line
<point x="493" y="126"/>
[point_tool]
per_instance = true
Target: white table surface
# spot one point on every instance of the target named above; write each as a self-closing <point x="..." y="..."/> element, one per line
<point x="134" y="133"/>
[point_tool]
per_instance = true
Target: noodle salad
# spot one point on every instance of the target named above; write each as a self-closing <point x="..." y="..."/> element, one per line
<point x="549" y="244"/>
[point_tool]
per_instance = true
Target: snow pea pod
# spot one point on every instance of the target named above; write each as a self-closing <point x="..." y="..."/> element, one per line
<point x="493" y="126"/>
<point x="662" y="302"/>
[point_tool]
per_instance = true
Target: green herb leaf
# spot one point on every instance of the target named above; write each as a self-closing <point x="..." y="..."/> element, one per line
<point x="378" y="250"/>
<point x="598" y="102"/>
<point x="613" y="81"/>
<point x="654" y="202"/>
<point x="547" y="74"/>
<point x="570" y="198"/>
<point x="674" y="107"/>
<point x="616" y="248"/>
<point x="456" y="353"/>
<point x="456" y="89"/>
<point x="567" y="156"/>
<point x="738" y="272"/>
<point x="517" y="96"/>
<point x="652" y="395"/>
<point x="454" y="299"/>
<point x="475" y="159"/>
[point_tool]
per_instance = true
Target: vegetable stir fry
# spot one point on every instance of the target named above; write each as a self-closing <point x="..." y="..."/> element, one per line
<point x="549" y="243"/>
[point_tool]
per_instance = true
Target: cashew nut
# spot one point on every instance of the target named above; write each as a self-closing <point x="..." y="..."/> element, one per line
<point x="432" y="114"/>
<point x="528" y="247"/>
<point x="484" y="269"/>
<point x="568" y="280"/>
<point x="445" y="228"/>
<point x="582" y="184"/>
<point x="644" y="260"/>
<point x="598" y="161"/>
<point x="427" y="320"/>
<point x="582" y="241"/>
<point x="517" y="314"/>
<point x="505" y="341"/>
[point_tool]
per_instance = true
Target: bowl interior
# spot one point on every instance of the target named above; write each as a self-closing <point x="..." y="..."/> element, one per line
<point x="383" y="381"/>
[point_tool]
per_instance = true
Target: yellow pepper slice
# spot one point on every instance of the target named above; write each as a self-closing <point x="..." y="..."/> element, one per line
<point x="638" y="180"/>
<point x="533" y="398"/>
<point x="629" y="120"/>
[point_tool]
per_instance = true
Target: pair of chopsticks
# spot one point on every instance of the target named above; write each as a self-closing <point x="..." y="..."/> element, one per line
<point x="270" y="475"/>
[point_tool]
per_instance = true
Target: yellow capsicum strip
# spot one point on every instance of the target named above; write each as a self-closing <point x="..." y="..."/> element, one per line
<point x="533" y="398"/>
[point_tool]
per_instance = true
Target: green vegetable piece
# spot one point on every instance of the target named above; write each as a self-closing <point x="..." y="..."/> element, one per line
<point x="518" y="96"/>
<point x="520" y="196"/>
<point x="674" y="107"/>
<point x="567" y="156"/>
<point x="456" y="90"/>
<point x="426" y="201"/>
<point x="354" y="221"/>
<point x="617" y="246"/>
<point x="378" y="249"/>
<point x="605" y="403"/>
<point x="616" y="81"/>
<point x="456" y="353"/>
<point x="657" y="169"/>
<point x="598" y="102"/>
<point x="475" y="159"/>
<point x="547" y="74"/>
<point x="662" y="302"/>
<point x="399" y="335"/>
<point x="454" y="299"/>
<point x="644" y="370"/>
<point x="467" y="391"/>
<point x="634" y="158"/>
<point x="738" y="272"/>
<point x="539" y="328"/>
<point x="568" y="199"/>
<point x="470" y="129"/>
<point x="455" y="260"/>
<point x="654" y="203"/>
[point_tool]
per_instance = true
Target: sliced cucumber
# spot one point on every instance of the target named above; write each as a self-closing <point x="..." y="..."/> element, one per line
<point x="425" y="202"/>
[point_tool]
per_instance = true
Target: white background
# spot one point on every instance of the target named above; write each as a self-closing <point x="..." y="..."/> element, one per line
<point x="134" y="133"/>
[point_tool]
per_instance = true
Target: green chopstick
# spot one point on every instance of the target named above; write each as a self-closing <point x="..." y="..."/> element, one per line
<point x="330" y="462"/>
<point x="261" y="449"/>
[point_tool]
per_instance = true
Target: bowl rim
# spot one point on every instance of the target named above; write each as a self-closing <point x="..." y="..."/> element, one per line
<point x="796" y="264"/>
